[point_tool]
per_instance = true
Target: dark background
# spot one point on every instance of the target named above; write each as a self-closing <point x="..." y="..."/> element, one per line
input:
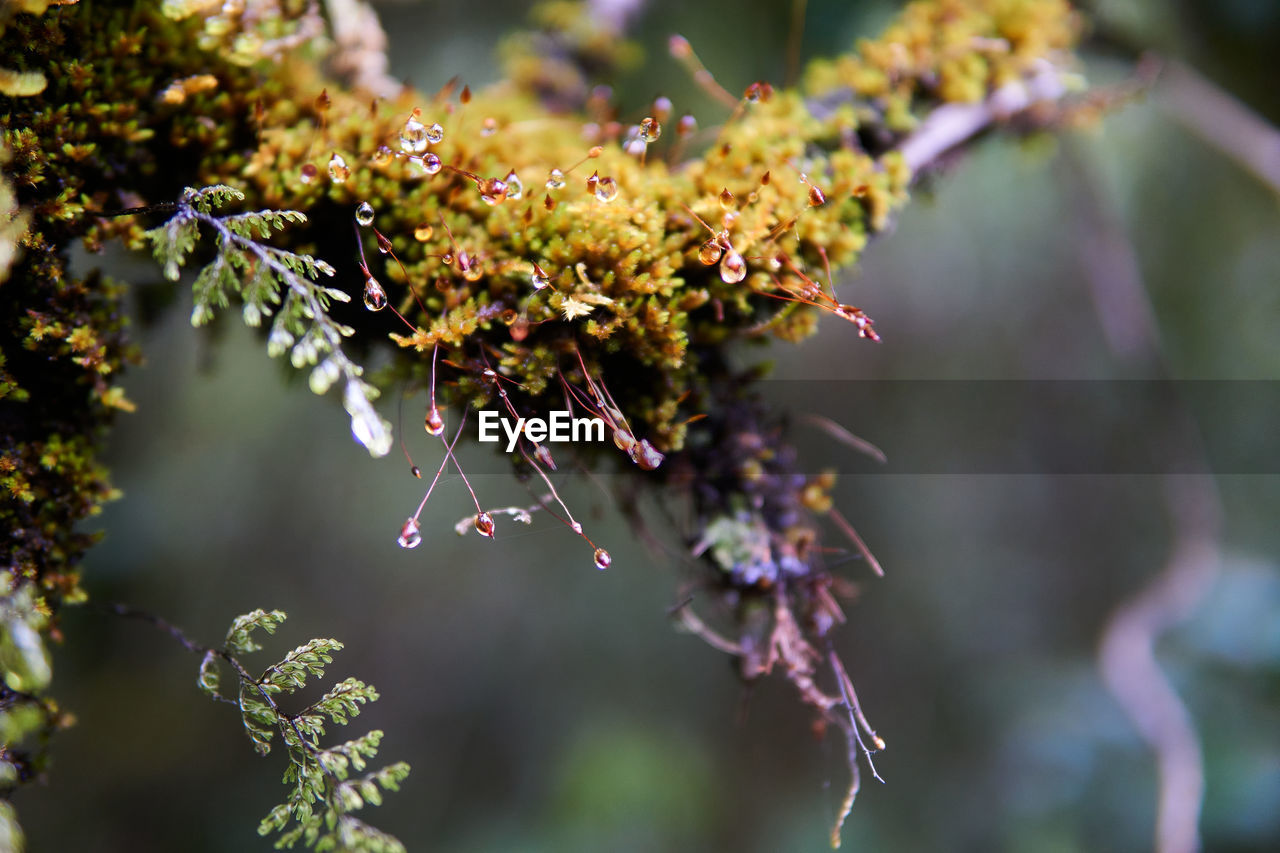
<point x="547" y="706"/>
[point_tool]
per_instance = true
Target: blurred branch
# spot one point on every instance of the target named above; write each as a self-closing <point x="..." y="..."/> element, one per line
<point x="1126" y="654"/>
<point x="360" y="54"/>
<point x="1222" y="121"/>
<point x="953" y="124"/>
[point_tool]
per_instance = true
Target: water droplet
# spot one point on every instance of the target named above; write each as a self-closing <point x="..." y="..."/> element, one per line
<point x="540" y="278"/>
<point x="729" y="218"/>
<point x="623" y="439"/>
<point x="602" y="559"/>
<point x="338" y="171"/>
<point x="515" y="189"/>
<point x="606" y="189"/>
<point x="308" y="173"/>
<point x="431" y="164"/>
<point x="733" y="268"/>
<point x="375" y="298"/>
<point x="710" y="252"/>
<point x="576" y="527"/>
<point x="646" y="455"/>
<point x="817" y="197"/>
<point x="727" y="201"/>
<point x="382" y="156"/>
<point x="434" y="423"/>
<point x="484" y="525"/>
<point x="413" y="136"/>
<point x="423" y="232"/>
<point x="555" y="179"/>
<point x="493" y="191"/>
<point x="474" y="271"/>
<point x="410" y="535"/>
<point x="435" y="133"/>
<point x="446" y="258"/>
<point x="650" y="129"/>
<point x="364" y="213"/>
<point x="635" y="146"/>
<point x="489" y="127"/>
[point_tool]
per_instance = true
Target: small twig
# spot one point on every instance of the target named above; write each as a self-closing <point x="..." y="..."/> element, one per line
<point x="847" y="529"/>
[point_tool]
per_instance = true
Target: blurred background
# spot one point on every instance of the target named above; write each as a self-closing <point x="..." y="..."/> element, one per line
<point x="547" y="706"/>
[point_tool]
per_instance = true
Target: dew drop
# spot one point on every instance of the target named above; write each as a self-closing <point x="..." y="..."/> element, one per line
<point x="375" y="298"/>
<point x="515" y="188"/>
<point x="710" y="252"/>
<point x="606" y="189"/>
<point x="646" y="455"/>
<point x="484" y="525"/>
<point x="493" y="191"/>
<point x="473" y="271"/>
<point x="431" y="164"/>
<point x="623" y="439"/>
<point x="489" y="127"/>
<point x="433" y="424"/>
<point x="602" y="559"/>
<point x="729" y="218"/>
<point x="435" y="133"/>
<point x="413" y="136"/>
<point x="382" y="156"/>
<point x="539" y="278"/>
<point x="338" y="171"/>
<point x="308" y="173"/>
<point x="635" y="146"/>
<point x="446" y="258"/>
<point x="555" y="180"/>
<point x="733" y="268"/>
<point x="650" y="129"/>
<point x="410" y="535"/>
<point x="727" y="201"/>
<point x="422" y="233"/>
<point x="817" y="197"/>
<point x="364" y="213"/>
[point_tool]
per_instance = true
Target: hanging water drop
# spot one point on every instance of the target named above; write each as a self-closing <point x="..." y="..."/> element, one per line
<point x="308" y="173"/>
<point x="434" y="423"/>
<point x="727" y="201"/>
<point x="710" y="252"/>
<point x="375" y="298"/>
<point x="646" y="455"/>
<point x="410" y="535"/>
<point x="489" y="127"/>
<point x="422" y="233"/>
<point x="493" y="191"/>
<point x="382" y="156"/>
<point x="338" y="171"/>
<point x="434" y="133"/>
<point x="540" y="278"/>
<point x="555" y="179"/>
<point x="602" y="559"/>
<point x="364" y="213"/>
<point x="650" y="130"/>
<point x="413" y="136"/>
<point x="484" y="525"/>
<point x="515" y="189"/>
<point x="733" y="268"/>
<point x="431" y="164"/>
<point x="817" y="197"/>
<point x="606" y="189"/>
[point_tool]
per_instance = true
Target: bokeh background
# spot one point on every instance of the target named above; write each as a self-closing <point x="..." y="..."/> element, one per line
<point x="547" y="706"/>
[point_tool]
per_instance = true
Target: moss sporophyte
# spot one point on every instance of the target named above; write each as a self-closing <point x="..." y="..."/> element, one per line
<point x="506" y="278"/>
